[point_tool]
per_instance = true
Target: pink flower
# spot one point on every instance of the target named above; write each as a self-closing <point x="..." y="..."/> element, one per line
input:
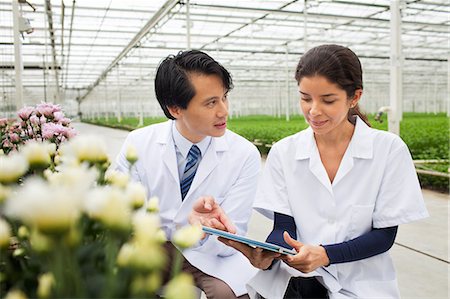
<point x="14" y="137"/>
<point x="3" y="122"/>
<point x="47" y="109"/>
<point x="69" y="132"/>
<point x="58" y="116"/>
<point x="65" y="121"/>
<point x="25" y="112"/>
<point x="35" y="120"/>
<point x="49" y="130"/>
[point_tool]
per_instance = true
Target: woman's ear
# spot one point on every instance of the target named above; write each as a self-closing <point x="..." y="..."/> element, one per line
<point x="356" y="97"/>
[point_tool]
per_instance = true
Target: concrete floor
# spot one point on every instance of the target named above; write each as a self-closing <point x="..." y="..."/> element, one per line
<point x="421" y="253"/>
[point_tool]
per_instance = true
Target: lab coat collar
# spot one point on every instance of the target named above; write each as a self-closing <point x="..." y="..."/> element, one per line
<point x="360" y="146"/>
<point x="209" y="161"/>
<point x="184" y="145"/>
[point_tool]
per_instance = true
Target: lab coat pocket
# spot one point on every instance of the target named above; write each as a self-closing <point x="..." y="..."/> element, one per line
<point x="376" y="289"/>
<point x="361" y="220"/>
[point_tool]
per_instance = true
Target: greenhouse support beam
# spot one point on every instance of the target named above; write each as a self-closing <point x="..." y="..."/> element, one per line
<point x="448" y="85"/>
<point x="161" y="13"/>
<point x="188" y="26"/>
<point x="49" y="13"/>
<point x="18" y="63"/>
<point x="315" y="16"/>
<point x="395" y="91"/>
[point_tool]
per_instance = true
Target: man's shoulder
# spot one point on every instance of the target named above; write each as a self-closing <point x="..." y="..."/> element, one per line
<point x="149" y="131"/>
<point x="237" y="141"/>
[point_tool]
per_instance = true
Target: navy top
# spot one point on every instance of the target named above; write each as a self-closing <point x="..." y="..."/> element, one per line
<point x="374" y="242"/>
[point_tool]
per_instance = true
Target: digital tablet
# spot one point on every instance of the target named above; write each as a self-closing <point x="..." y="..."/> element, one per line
<point x="248" y="241"/>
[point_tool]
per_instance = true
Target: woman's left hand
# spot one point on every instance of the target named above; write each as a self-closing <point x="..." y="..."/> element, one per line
<point x="308" y="257"/>
<point x="259" y="258"/>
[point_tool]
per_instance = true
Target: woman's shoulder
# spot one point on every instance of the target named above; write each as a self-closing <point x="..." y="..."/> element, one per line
<point x="387" y="140"/>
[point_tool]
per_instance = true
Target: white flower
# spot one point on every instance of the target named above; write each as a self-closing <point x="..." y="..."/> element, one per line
<point x="78" y="178"/>
<point x="131" y="154"/>
<point x="136" y="194"/>
<point x="37" y="154"/>
<point x="141" y="256"/>
<point x="87" y="148"/>
<point x="146" y="227"/>
<point x="187" y="236"/>
<point x="50" y="209"/>
<point x="5" y="233"/>
<point x="153" y="205"/>
<point x="109" y="206"/>
<point x="46" y="282"/>
<point x="12" y="167"/>
<point x="117" y="178"/>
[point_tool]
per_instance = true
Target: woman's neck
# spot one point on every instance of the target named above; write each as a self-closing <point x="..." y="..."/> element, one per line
<point x="340" y="135"/>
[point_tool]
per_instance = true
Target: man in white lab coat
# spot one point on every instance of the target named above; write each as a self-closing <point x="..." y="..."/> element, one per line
<point x="193" y="155"/>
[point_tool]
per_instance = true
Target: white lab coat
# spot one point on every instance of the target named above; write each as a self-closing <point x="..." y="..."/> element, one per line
<point x="376" y="186"/>
<point x="228" y="171"/>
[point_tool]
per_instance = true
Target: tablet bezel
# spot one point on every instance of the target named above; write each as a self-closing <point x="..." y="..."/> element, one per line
<point x="248" y="241"/>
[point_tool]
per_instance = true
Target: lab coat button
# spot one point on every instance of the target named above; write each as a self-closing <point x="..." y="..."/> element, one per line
<point x="330" y="221"/>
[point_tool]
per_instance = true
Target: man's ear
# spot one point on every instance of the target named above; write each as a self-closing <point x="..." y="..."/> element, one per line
<point x="175" y="111"/>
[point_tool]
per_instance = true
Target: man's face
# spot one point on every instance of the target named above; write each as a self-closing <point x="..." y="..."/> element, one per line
<point x="206" y="114"/>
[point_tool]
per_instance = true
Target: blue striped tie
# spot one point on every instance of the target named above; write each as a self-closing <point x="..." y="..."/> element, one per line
<point x="189" y="172"/>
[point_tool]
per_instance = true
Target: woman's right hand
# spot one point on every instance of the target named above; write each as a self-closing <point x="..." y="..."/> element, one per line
<point x="258" y="257"/>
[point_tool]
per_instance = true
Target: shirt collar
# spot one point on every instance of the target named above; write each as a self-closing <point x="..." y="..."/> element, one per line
<point x="361" y="144"/>
<point x="184" y="145"/>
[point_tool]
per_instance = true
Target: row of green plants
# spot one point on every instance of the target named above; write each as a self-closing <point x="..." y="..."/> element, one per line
<point x="427" y="136"/>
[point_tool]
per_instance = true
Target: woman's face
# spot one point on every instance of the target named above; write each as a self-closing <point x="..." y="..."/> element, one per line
<point x="324" y="104"/>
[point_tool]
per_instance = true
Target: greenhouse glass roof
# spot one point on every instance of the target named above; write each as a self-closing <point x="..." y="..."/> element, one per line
<point x="78" y="45"/>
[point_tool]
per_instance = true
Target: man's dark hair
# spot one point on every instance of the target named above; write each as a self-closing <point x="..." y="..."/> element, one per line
<point x="173" y="87"/>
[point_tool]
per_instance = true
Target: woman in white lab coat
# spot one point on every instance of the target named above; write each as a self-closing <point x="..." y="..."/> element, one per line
<point x="337" y="192"/>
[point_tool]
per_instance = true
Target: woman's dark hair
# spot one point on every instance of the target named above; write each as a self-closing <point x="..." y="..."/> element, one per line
<point x="339" y="65"/>
<point x="173" y="87"/>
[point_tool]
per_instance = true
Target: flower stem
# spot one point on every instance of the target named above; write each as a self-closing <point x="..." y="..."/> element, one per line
<point x="177" y="263"/>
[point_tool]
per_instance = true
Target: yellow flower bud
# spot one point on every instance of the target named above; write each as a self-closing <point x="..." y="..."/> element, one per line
<point x="5" y="233"/>
<point x="153" y="205"/>
<point x="18" y="252"/>
<point x="117" y="178"/>
<point x="182" y="286"/>
<point x="15" y="294"/>
<point x="153" y="282"/>
<point x="136" y="194"/>
<point x="46" y="282"/>
<point x="131" y="154"/>
<point x="187" y="236"/>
